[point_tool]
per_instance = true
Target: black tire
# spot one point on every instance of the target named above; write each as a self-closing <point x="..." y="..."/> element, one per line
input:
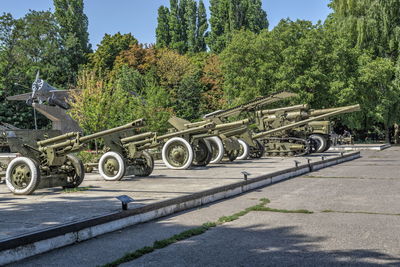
<point x="147" y="168"/>
<point x="321" y="142"/>
<point x="329" y="144"/>
<point x="202" y="153"/>
<point x="75" y="178"/>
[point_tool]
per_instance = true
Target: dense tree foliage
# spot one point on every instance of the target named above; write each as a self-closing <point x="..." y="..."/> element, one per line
<point x="183" y="26"/>
<point x="228" y="16"/>
<point x="74" y="33"/>
<point x="27" y="45"/>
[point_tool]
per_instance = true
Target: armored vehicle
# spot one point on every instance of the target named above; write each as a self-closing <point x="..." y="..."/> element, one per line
<point x="47" y="161"/>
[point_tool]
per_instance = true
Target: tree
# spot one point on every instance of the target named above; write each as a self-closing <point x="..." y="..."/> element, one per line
<point x="228" y="16"/>
<point x="163" y="38"/>
<point x="186" y="27"/>
<point x="101" y="105"/>
<point x="109" y="48"/>
<point x="374" y="25"/>
<point x="74" y="33"/>
<point x="190" y="16"/>
<point x="175" y="27"/>
<point x="371" y="24"/>
<point x="201" y="30"/>
<point x="213" y="96"/>
<point x="27" y="45"/>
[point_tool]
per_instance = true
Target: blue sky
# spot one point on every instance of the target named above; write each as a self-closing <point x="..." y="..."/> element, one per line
<point x="139" y="17"/>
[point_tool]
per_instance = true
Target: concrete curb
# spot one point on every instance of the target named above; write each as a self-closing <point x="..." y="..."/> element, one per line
<point x="31" y="244"/>
<point x="376" y="147"/>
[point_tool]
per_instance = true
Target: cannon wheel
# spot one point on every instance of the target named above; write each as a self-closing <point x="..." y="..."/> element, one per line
<point x="320" y="141"/>
<point x="177" y="154"/>
<point x="258" y="151"/>
<point x="112" y="166"/>
<point x="232" y="155"/>
<point x="217" y="149"/>
<point x="147" y="168"/>
<point x="75" y="178"/>
<point x="244" y="150"/>
<point x="328" y="145"/>
<point x="22" y="176"/>
<point x="202" y="153"/>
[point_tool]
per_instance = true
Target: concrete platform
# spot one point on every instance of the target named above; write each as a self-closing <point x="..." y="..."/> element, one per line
<point x="362" y="229"/>
<point x="53" y="213"/>
<point x="358" y="147"/>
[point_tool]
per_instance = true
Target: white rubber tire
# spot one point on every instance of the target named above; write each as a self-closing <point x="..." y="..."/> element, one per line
<point x="122" y="166"/>
<point x="246" y="149"/>
<point x="221" y="151"/>
<point x="189" y="148"/>
<point x="35" y="176"/>
<point x="322" y="140"/>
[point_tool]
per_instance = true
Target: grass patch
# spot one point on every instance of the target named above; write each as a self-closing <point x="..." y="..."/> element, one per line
<point x="362" y="212"/>
<point x="76" y="189"/>
<point x="159" y="244"/>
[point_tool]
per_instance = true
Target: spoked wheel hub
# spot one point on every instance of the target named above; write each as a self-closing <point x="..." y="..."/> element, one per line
<point x="177" y="154"/>
<point x="21" y="176"/>
<point x="111" y="166"/>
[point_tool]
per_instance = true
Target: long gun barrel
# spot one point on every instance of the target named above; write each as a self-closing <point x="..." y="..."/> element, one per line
<point x="250" y="106"/>
<point x="135" y="124"/>
<point x="303" y="122"/>
<point x="284" y="109"/>
<point x="231" y="125"/>
<point x="317" y="112"/>
<point x="84" y="139"/>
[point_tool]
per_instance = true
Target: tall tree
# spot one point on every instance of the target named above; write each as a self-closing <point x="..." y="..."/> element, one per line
<point x="74" y="32"/>
<point x="163" y="38"/>
<point x="228" y="16"/>
<point x="191" y="18"/>
<point x="186" y="27"/>
<point x="201" y="29"/>
<point x="175" y="27"/>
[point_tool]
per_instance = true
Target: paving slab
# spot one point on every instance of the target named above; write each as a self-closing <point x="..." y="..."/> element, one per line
<point x="276" y="239"/>
<point x="48" y="208"/>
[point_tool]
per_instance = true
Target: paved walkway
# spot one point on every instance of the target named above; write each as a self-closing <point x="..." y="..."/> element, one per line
<point x="47" y="208"/>
<point x="362" y="226"/>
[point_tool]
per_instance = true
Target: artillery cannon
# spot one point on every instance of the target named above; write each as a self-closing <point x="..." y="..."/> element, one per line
<point x="128" y="155"/>
<point x="317" y="131"/>
<point x="239" y="147"/>
<point x="250" y="106"/>
<point x="223" y="138"/>
<point x="48" y="162"/>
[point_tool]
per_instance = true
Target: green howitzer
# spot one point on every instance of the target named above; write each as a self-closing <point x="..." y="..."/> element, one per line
<point x="128" y="155"/>
<point x="294" y="145"/>
<point x="221" y="140"/>
<point x="49" y="162"/>
<point x="242" y="138"/>
<point x="250" y="106"/>
<point x="318" y="131"/>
